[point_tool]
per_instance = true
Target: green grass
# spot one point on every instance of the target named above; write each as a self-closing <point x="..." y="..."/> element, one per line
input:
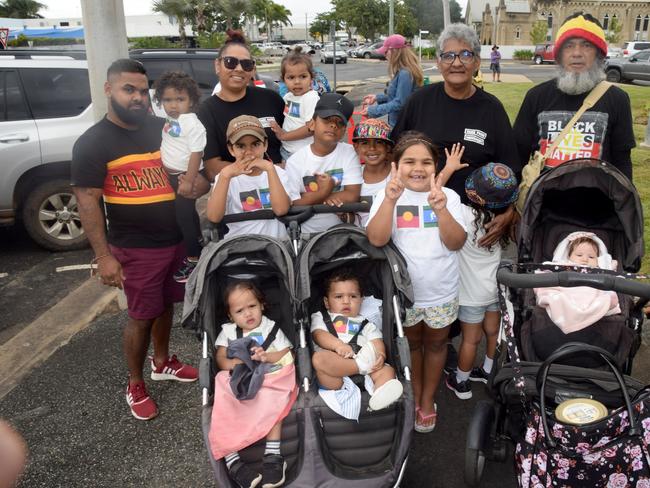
<point x="512" y="94"/>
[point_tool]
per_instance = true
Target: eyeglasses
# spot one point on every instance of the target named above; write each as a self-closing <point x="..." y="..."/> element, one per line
<point x="231" y="62"/>
<point x="465" y="56"/>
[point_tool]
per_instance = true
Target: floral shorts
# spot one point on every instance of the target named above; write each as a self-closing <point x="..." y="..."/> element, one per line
<point x="437" y="317"/>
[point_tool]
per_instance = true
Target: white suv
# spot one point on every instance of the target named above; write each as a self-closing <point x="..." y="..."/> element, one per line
<point x="632" y="47"/>
<point x="44" y="108"/>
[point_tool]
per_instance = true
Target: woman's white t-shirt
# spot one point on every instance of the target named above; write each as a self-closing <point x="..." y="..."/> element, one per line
<point x="249" y="193"/>
<point x="342" y="164"/>
<point x="298" y="110"/>
<point x="432" y="267"/>
<point x="478" y="266"/>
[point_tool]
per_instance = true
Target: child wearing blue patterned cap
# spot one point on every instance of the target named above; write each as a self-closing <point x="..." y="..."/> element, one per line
<point x="372" y="142"/>
<point x="491" y="189"/>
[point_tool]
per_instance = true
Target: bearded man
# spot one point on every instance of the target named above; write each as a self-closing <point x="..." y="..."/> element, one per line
<point x="604" y="131"/>
<point x="118" y="159"/>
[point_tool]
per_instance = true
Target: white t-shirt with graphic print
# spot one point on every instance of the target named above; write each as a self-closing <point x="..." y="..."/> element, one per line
<point x="298" y="110"/>
<point x="368" y="192"/>
<point x="260" y="333"/>
<point x="432" y="267"/>
<point x="248" y="193"/>
<point x="342" y="164"/>
<point x="345" y="327"/>
<point x="180" y="138"/>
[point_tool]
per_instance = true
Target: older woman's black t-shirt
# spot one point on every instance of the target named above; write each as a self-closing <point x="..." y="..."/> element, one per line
<point x="479" y="122"/>
<point x="215" y="114"/>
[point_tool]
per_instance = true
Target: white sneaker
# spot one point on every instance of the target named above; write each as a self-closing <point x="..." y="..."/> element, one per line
<point x="386" y="394"/>
<point x="366" y="358"/>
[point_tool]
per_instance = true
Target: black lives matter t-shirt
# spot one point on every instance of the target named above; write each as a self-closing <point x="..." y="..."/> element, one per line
<point x="480" y="123"/>
<point x="603" y="132"/>
<point x="126" y="165"/>
<point x="215" y="114"/>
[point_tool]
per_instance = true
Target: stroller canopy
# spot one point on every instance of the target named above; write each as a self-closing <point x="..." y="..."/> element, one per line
<point x="583" y="194"/>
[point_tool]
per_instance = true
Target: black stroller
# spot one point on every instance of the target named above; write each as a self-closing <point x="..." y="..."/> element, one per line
<point x="320" y="448"/>
<point x="580" y="195"/>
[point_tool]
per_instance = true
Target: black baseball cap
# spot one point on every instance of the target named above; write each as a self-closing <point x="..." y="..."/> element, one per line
<point x="334" y="104"/>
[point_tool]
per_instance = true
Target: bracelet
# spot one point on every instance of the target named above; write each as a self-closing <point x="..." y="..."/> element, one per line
<point x="96" y="259"/>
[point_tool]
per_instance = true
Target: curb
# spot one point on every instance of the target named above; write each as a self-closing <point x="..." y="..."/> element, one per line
<point x="53" y="329"/>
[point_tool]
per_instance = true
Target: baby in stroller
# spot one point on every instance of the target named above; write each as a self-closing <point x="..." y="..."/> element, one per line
<point x="254" y="390"/>
<point x="346" y="344"/>
<point x="573" y="309"/>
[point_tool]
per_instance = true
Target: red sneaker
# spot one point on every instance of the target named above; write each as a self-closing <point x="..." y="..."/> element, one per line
<point x="142" y="406"/>
<point x="173" y="369"/>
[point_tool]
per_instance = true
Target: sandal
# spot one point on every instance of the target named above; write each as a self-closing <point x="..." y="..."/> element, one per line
<point x="426" y="423"/>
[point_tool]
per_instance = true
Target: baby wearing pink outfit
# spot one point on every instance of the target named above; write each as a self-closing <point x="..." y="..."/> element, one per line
<point x="573" y="309"/>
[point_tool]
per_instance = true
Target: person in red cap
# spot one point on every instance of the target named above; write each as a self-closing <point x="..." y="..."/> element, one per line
<point x="406" y="75"/>
<point x="604" y="131"/>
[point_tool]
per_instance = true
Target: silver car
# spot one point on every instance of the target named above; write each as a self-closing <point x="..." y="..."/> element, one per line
<point x="327" y="55"/>
<point x="636" y="67"/>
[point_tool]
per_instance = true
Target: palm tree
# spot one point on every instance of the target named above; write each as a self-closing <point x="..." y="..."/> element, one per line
<point x="232" y="10"/>
<point x="180" y="9"/>
<point x="279" y="15"/>
<point x="269" y="15"/>
<point x="21" y="9"/>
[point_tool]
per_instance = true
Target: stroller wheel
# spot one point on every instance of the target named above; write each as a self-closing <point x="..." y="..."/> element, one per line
<point x="478" y="440"/>
<point x="474" y="465"/>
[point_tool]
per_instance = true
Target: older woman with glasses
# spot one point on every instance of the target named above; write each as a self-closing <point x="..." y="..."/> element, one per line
<point x="235" y="67"/>
<point x="452" y="112"/>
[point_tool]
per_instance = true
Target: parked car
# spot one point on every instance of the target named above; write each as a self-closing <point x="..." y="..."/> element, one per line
<point x="47" y="106"/>
<point x="306" y="48"/>
<point x="632" y="47"/>
<point x="370" y="51"/>
<point x="636" y="67"/>
<point x="544" y="53"/>
<point x="614" y="52"/>
<point x="327" y="54"/>
<point x="273" y="49"/>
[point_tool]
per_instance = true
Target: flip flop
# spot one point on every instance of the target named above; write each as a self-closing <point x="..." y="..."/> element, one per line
<point x="386" y="395"/>
<point x="421" y="421"/>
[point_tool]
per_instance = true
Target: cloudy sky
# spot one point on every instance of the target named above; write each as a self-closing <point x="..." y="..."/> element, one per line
<point x="72" y="8"/>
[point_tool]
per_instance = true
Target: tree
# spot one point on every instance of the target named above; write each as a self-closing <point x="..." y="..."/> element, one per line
<point x="429" y="14"/>
<point x="21" y="9"/>
<point x="538" y="32"/>
<point x="613" y="34"/>
<point x="320" y="26"/>
<point x="232" y="11"/>
<point x="180" y="9"/>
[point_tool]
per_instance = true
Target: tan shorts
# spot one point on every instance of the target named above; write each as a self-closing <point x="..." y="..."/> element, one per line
<point x="437" y="317"/>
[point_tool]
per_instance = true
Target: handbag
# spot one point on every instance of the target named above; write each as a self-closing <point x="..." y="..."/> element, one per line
<point x="536" y="163"/>
<point x="611" y="452"/>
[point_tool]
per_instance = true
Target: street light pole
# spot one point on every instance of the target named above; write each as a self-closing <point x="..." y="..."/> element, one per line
<point x="445" y="12"/>
<point x="391" y="17"/>
<point x="306" y="27"/>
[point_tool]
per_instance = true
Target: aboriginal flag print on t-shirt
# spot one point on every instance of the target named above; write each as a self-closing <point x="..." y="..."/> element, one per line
<point x="310" y="184"/>
<point x="250" y="200"/>
<point x="344" y="325"/>
<point x="408" y="216"/>
<point x="265" y="197"/>
<point x="429" y="218"/>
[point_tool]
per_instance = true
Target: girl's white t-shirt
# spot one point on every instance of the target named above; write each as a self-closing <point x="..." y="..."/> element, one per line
<point x="478" y="266"/>
<point x="260" y="333"/>
<point x="249" y="193"/>
<point x="298" y="110"/>
<point x="342" y="164"/>
<point x="432" y="267"/>
<point x="368" y="192"/>
<point x="180" y="138"/>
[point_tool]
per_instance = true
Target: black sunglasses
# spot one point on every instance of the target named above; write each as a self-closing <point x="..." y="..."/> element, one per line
<point x="231" y="62"/>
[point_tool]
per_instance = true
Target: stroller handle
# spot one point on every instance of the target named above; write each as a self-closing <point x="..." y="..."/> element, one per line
<point x="508" y="277"/>
<point x="297" y="213"/>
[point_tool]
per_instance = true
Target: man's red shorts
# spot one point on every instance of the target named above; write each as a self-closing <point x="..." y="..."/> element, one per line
<point x="149" y="283"/>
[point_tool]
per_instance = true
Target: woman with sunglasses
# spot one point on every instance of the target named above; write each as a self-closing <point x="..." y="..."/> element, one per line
<point x="235" y="68"/>
<point x="455" y="111"/>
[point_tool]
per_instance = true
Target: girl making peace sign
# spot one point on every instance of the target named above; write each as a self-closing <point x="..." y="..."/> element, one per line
<point x="424" y="219"/>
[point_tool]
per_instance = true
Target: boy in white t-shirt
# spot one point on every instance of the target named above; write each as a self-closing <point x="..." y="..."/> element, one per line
<point x="250" y="183"/>
<point x="181" y="150"/>
<point x="326" y="171"/>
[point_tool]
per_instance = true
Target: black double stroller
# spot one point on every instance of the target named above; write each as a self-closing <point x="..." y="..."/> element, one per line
<point x="321" y="448"/>
<point x="580" y="195"/>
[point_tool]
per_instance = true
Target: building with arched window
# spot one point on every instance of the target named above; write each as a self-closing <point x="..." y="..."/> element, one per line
<point x="510" y="22"/>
